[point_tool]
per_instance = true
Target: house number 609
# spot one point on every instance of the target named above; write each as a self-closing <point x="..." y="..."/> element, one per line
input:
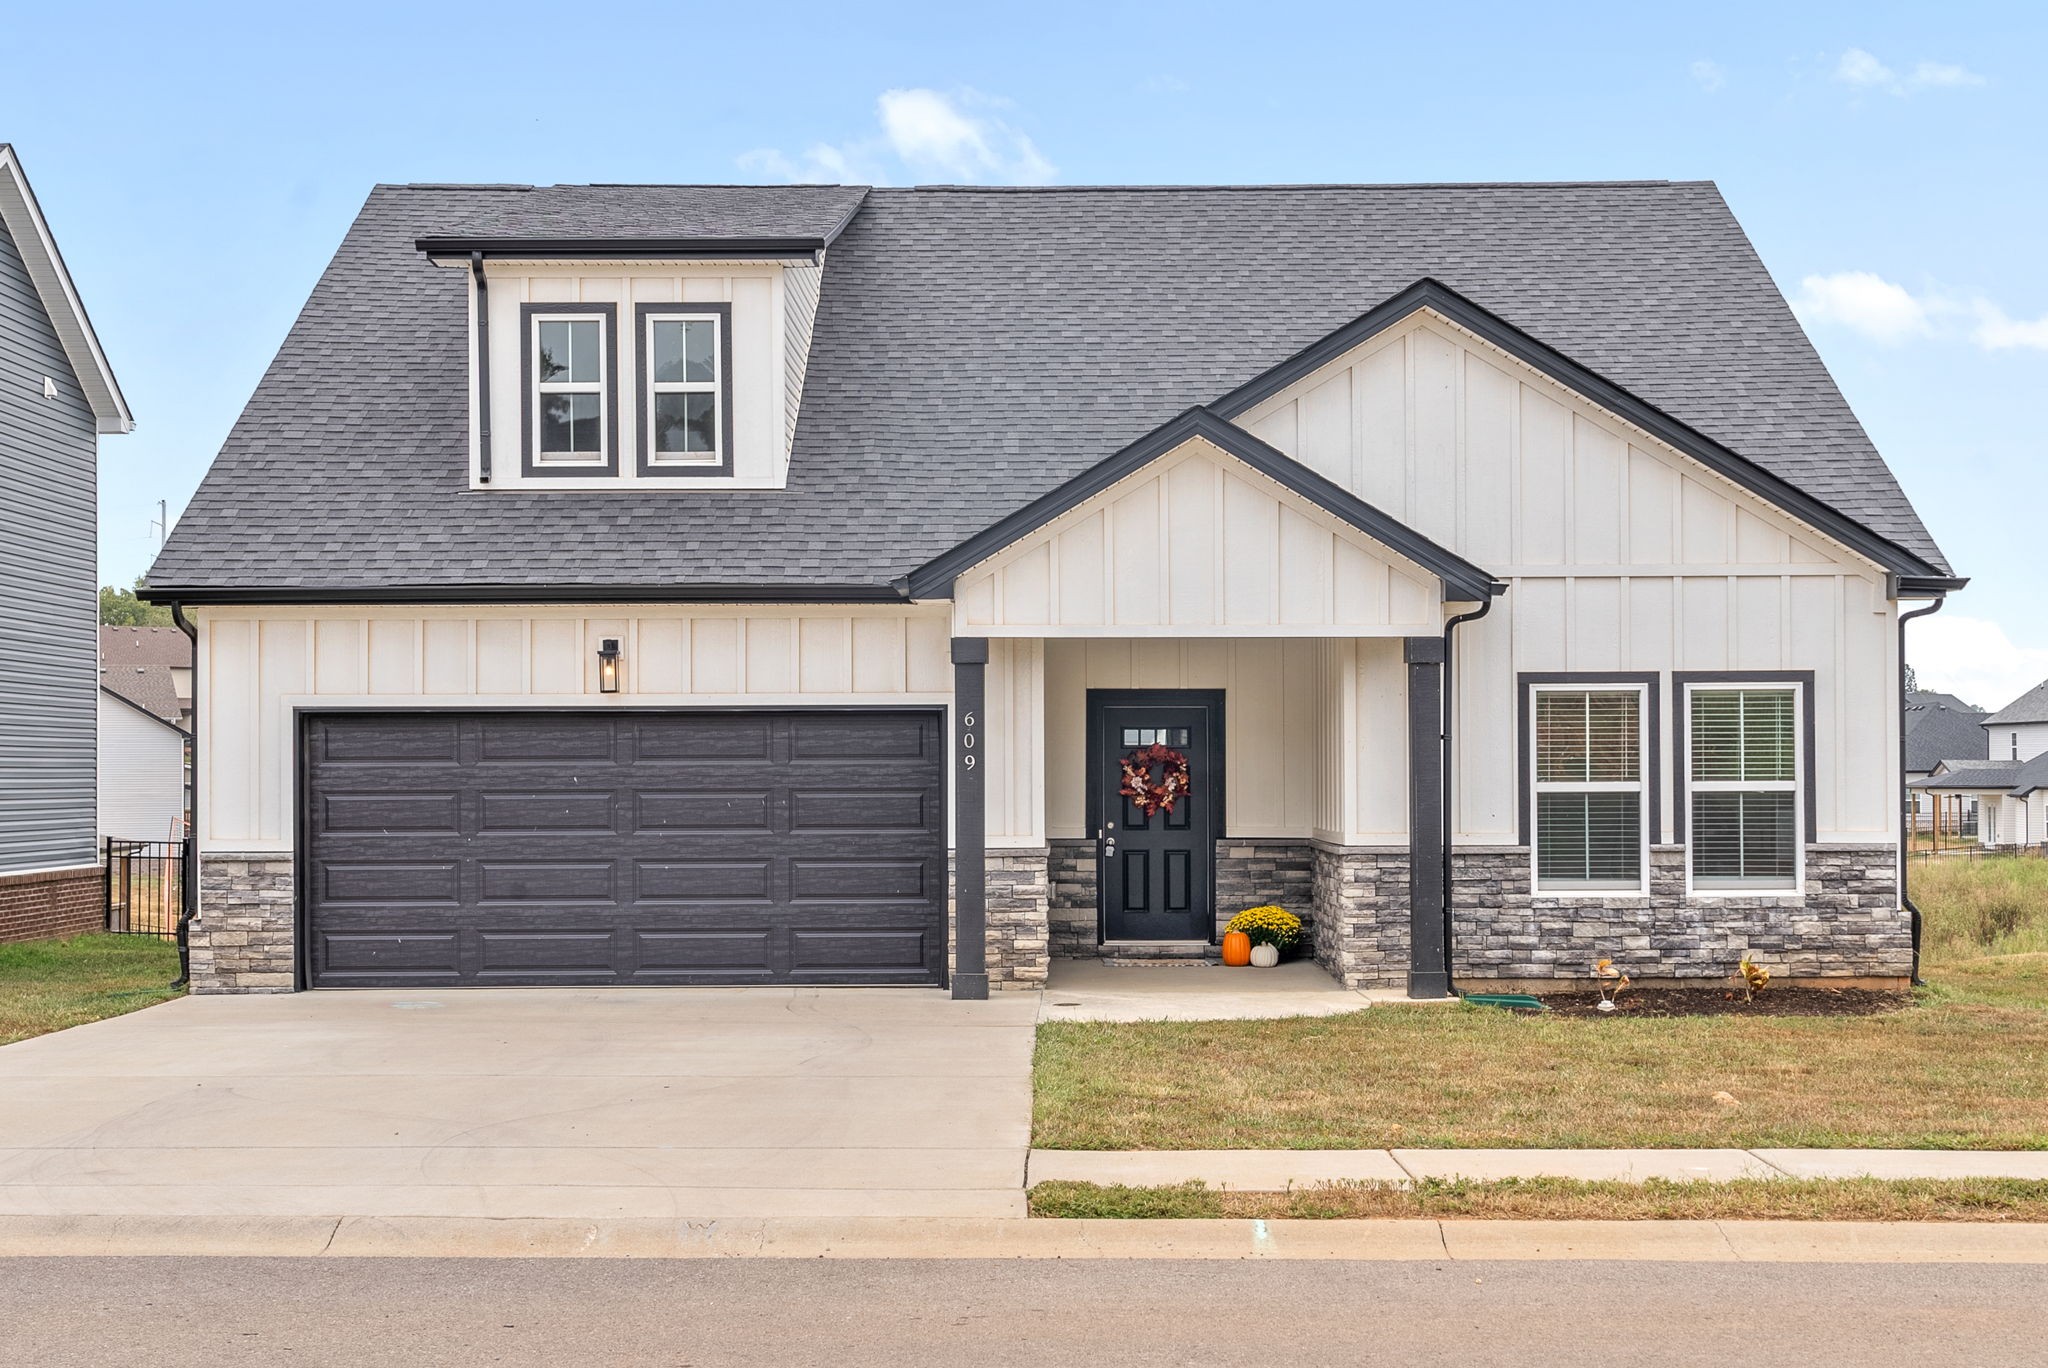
<point x="967" y="740"/>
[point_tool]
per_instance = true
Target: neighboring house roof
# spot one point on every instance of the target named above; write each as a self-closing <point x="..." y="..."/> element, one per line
<point x="2031" y="706"/>
<point x="1941" y="727"/>
<point x="2015" y="777"/>
<point x="136" y="665"/>
<point x="135" y="707"/>
<point x="24" y="220"/>
<point x="974" y="350"/>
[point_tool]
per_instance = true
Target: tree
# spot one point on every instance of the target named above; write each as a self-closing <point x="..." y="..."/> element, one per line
<point x="1912" y="680"/>
<point x="123" y="608"/>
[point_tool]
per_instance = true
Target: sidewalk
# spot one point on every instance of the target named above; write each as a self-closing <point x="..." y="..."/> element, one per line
<point x="1281" y="1170"/>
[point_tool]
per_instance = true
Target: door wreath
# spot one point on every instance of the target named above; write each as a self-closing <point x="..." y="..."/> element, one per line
<point x="1151" y="795"/>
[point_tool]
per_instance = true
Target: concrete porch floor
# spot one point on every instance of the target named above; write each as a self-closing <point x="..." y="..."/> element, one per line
<point x="1090" y="990"/>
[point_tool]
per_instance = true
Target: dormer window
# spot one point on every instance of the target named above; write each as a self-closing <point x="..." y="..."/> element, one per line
<point x="571" y="410"/>
<point x="685" y="389"/>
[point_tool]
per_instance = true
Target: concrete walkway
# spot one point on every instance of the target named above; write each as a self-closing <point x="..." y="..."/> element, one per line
<point x="760" y="1103"/>
<point x="1090" y="990"/>
<point x="1281" y="1170"/>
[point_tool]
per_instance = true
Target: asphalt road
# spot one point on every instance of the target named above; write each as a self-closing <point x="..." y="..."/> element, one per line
<point x="215" y="1312"/>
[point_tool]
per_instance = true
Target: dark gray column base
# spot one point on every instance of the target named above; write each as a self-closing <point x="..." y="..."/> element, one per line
<point x="970" y="987"/>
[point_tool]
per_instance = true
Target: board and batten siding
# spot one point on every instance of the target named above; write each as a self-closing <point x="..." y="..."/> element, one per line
<point x="49" y="629"/>
<point x="1621" y="555"/>
<point x="260" y="665"/>
<point x="1196" y="543"/>
<point x="760" y="430"/>
<point x="142" y="775"/>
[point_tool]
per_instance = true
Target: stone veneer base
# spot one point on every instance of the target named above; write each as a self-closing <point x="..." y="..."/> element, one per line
<point x="242" y="940"/>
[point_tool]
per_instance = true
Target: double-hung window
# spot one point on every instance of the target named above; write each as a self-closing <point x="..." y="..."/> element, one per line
<point x="569" y="354"/>
<point x="685" y="388"/>
<point x="1591" y="800"/>
<point x="1744" y="771"/>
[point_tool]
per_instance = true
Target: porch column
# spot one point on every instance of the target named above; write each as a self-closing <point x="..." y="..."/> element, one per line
<point x="970" y="819"/>
<point x="1428" y="970"/>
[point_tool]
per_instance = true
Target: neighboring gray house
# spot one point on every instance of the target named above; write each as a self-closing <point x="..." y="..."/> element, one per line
<point x="721" y="585"/>
<point x="145" y="715"/>
<point x="57" y="395"/>
<point x="1940" y="726"/>
<point x="2008" y="785"/>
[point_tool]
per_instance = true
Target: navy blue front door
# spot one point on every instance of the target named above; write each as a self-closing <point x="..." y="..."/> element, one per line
<point x="1155" y="869"/>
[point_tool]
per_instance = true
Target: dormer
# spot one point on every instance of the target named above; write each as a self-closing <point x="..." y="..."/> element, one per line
<point x="636" y="365"/>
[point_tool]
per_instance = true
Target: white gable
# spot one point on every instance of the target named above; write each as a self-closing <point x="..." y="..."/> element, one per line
<point x="1197" y="543"/>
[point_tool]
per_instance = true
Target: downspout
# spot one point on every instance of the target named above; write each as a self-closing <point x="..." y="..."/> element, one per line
<point x="483" y="366"/>
<point x="188" y="884"/>
<point x="1905" y="794"/>
<point x="1450" y="705"/>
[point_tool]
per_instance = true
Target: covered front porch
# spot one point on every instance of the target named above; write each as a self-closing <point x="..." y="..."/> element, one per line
<point x="1206" y="681"/>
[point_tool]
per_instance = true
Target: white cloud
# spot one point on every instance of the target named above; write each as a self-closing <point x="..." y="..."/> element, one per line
<point x="1863" y="302"/>
<point x="1862" y="69"/>
<point x="1709" y="75"/>
<point x="1973" y="659"/>
<point x="928" y="133"/>
<point x="1887" y="312"/>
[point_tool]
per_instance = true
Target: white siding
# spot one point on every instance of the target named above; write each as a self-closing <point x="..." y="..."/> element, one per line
<point x="260" y="665"/>
<point x="1621" y="555"/>
<point x="142" y="776"/>
<point x="1196" y="544"/>
<point x="760" y="341"/>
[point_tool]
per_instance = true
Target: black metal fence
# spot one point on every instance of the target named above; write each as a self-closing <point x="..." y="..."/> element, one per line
<point x="145" y="887"/>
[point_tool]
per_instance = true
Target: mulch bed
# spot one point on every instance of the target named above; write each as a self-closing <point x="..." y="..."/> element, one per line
<point x="1718" y="1001"/>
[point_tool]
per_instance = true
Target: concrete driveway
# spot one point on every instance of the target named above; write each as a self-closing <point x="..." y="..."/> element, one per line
<point x="747" y="1102"/>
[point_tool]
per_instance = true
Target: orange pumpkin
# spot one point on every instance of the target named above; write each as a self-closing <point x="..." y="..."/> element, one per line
<point x="1237" y="949"/>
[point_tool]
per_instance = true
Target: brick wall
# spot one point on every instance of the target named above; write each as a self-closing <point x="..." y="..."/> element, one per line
<point x="64" y="902"/>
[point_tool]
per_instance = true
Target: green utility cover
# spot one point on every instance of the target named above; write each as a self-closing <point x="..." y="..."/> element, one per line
<point x="1522" y="1001"/>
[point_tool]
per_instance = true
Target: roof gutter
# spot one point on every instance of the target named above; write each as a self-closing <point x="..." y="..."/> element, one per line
<point x="622" y="248"/>
<point x="545" y="594"/>
<point x="1906" y="798"/>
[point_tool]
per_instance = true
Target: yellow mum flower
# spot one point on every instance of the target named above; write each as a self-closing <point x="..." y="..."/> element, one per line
<point x="1269" y="925"/>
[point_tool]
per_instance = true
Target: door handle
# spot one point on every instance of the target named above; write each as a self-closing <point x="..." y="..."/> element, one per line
<point x="1107" y="842"/>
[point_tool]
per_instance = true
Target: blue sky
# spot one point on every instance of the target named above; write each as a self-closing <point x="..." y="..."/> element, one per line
<point x="199" y="165"/>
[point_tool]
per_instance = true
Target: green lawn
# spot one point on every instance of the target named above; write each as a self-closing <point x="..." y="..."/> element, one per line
<point x="48" y="985"/>
<point x="1565" y="1199"/>
<point x="1966" y="1067"/>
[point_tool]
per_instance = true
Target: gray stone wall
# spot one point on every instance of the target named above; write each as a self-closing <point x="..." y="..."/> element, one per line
<point x="1250" y="871"/>
<point x="1253" y="871"/>
<point x="1848" y="924"/>
<point x="1019" y="897"/>
<point x="242" y="940"/>
<point x="1361" y="905"/>
<point x="1071" y="868"/>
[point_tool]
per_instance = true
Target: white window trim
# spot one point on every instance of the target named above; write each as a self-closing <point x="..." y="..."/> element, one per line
<point x="1640" y="785"/>
<point x="1796" y="786"/>
<point x="715" y="387"/>
<point x="572" y="460"/>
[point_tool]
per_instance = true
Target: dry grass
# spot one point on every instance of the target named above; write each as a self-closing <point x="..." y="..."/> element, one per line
<point x="1966" y="1067"/>
<point x="1562" y="1199"/>
<point x="48" y="985"/>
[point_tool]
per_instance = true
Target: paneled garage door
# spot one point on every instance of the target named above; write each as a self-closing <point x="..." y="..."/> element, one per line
<point x="501" y="848"/>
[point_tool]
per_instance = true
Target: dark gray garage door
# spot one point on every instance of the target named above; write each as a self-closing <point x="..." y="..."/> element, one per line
<point x="623" y="848"/>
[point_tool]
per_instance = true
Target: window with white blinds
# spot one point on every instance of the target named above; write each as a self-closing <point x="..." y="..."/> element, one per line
<point x="1590" y="797"/>
<point x="1743" y="782"/>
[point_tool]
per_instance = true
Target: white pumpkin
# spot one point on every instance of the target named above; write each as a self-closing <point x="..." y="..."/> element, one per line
<point x="1265" y="956"/>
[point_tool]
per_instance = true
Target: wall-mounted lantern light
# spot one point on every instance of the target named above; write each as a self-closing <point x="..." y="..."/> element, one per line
<point x="608" y="666"/>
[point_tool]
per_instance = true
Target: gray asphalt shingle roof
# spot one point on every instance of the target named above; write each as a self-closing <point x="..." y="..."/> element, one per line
<point x="974" y="348"/>
<point x="2031" y="706"/>
<point x="1940" y="727"/>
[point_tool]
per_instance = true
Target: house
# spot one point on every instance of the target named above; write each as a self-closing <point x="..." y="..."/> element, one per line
<point x="57" y="395"/>
<point x="2008" y="788"/>
<point x="1940" y="726"/>
<point x="145" y="711"/>
<point x="715" y="585"/>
